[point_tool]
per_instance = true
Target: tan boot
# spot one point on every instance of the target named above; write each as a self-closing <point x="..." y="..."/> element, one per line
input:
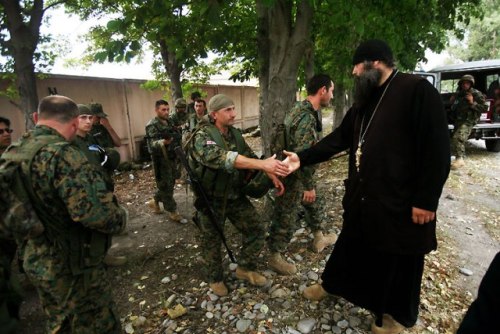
<point x="315" y="292"/>
<point x="280" y="265"/>
<point x="175" y="216"/>
<point x="155" y="206"/>
<point x="389" y="326"/>
<point x="114" y="261"/>
<point x="457" y="163"/>
<point x="252" y="277"/>
<point x="321" y="241"/>
<point x="219" y="288"/>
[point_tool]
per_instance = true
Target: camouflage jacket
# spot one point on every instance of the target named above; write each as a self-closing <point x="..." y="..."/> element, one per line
<point x="155" y="127"/>
<point x="101" y="135"/>
<point x="209" y="160"/>
<point x="465" y="113"/>
<point x="302" y="132"/>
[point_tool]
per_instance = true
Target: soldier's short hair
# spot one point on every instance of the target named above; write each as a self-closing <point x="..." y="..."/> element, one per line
<point x="57" y="107"/>
<point x="5" y="121"/>
<point x="195" y="95"/>
<point x="160" y="103"/>
<point x="318" y="81"/>
<point x="202" y="101"/>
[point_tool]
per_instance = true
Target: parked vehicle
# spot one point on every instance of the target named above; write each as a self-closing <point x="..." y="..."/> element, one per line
<point x="486" y="75"/>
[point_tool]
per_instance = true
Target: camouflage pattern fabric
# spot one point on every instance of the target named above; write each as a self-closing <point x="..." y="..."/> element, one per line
<point x="203" y="152"/>
<point x="73" y="291"/>
<point x="101" y="135"/>
<point x="165" y="164"/>
<point x="302" y="133"/>
<point x="465" y="116"/>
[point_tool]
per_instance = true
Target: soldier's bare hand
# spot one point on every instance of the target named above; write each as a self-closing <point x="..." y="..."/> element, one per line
<point x="421" y="216"/>
<point x="280" y="188"/>
<point x="167" y="141"/>
<point x="309" y="196"/>
<point x="292" y="161"/>
<point x="469" y="98"/>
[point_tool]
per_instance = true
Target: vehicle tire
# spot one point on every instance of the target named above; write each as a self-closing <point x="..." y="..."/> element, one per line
<point x="492" y="145"/>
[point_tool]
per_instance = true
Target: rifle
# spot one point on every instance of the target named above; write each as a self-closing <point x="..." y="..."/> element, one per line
<point x="200" y="192"/>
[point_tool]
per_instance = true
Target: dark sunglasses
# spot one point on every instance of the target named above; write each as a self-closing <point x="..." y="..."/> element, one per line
<point x="5" y="130"/>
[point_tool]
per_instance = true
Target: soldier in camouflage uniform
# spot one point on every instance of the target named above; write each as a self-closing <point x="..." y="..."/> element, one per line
<point x="200" y="110"/>
<point x="218" y="155"/>
<point x="105" y="159"/>
<point x="79" y="213"/>
<point x="163" y="135"/>
<point x="10" y="293"/>
<point x="303" y="129"/>
<point x="102" y="130"/>
<point x="467" y="105"/>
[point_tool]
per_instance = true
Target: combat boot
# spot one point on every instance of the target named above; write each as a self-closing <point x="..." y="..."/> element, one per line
<point x="457" y="163"/>
<point x="389" y="326"/>
<point x="219" y="288"/>
<point x="280" y="265"/>
<point x="321" y="241"/>
<point x="315" y="292"/>
<point x="114" y="261"/>
<point x="176" y="217"/>
<point x="155" y="206"/>
<point x="252" y="277"/>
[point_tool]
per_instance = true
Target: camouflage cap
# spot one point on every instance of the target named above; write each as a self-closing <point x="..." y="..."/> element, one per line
<point x="180" y="103"/>
<point x="97" y="110"/>
<point x="218" y="102"/>
<point x="466" y="77"/>
<point x="84" y="109"/>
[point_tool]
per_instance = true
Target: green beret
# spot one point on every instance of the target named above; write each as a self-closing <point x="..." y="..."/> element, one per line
<point x="218" y="102"/>
<point x="84" y="109"/>
<point x="97" y="110"/>
<point x="180" y="103"/>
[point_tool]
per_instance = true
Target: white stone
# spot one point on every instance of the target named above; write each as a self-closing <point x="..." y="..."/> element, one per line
<point x="466" y="272"/>
<point x="165" y="280"/>
<point x="242" y="325"/>
<point x="305" y="326"/>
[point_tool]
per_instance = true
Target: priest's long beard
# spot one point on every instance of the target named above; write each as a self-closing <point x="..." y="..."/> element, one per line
<point x="366" y="84"/>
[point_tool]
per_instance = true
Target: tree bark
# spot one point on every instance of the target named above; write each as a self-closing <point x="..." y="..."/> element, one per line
<point x="173" y="69"/>
<point x="341" y="103"/>
<point x="23" y="42"/>
<point x="282" y="40"/>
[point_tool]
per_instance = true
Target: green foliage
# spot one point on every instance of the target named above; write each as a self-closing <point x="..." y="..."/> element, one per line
<point x="482" y="40"/>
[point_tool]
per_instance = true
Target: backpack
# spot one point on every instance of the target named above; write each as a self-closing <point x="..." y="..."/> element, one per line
<point x="18" y="219"/>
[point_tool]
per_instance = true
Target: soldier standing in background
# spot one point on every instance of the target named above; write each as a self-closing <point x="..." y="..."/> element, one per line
<point x="104" y="159"/>
<point x="195" y="96"/>
<point x="102" y="130"/>
<point x="467" y="105"/>
<point x="200" y="110"/>
<point x="303" y="129"/>
<point x="163" y="135"/>
<point x="218" y="156"/>
<point x="79" y="213"/>
<point x="5" y="134"/>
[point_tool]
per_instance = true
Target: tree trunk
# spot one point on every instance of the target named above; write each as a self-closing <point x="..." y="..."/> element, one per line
<point x="282" y="40"/>
<point x="173" y="69"/>
<point x="23" y="42"/>
<point x="341" y="103"/>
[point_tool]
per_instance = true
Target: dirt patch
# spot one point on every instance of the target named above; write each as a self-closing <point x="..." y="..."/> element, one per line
<point x="163" y="261"/>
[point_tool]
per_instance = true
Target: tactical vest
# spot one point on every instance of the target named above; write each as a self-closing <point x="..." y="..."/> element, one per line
<point x="85" y="248"/>
<point x="216" y="181"/>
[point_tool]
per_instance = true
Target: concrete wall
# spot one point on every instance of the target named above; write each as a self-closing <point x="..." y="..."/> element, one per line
<point x="128" y="106"/>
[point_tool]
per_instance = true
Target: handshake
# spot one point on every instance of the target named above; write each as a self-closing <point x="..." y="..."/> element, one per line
<point x="274" y="168"/>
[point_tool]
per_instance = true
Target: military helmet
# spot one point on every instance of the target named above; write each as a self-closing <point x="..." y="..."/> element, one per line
<point x="466" y="77"/>
<point x="180" y="103"/>
<point x="97" y="110"/>
<point x="258" y="186"/>
<point x="84" y="109"/>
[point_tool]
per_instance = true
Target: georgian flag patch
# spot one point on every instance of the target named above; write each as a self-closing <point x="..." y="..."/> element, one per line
<point x="211" y="142"/>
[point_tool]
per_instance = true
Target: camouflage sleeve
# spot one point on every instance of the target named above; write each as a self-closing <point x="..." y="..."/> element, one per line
<point x="155" y="142"/>
<point x="84" y="192"/>
<point x="206" y="152"/>
<point x="480" y="102"/>
<point x="179" y="118"/>
<point x="304" y="137"/>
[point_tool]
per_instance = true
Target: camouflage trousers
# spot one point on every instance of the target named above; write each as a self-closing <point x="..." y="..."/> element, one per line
<point x="73" y="303"/>
<point x="10" y="291"/>
<point x="459" y="138"/>
<point x="244" y="217"/>
<point x="166" y="172"/>
<point x="284" y="220"/>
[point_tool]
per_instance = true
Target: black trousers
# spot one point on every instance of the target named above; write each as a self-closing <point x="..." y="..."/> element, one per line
<point x="379" y="282"/>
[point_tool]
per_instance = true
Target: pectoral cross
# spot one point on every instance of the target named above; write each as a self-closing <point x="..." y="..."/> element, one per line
<point x="358" y="156"/>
